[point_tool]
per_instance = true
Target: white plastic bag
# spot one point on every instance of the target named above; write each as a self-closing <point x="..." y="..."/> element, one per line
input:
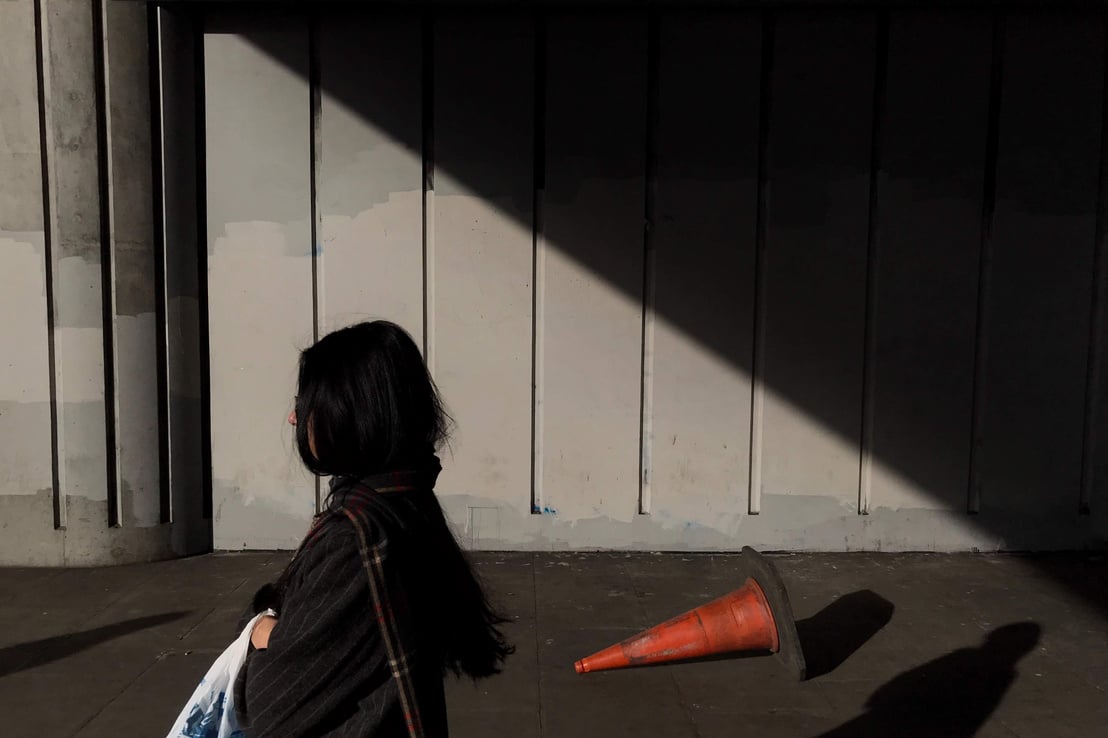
<point x="210" y="712"/>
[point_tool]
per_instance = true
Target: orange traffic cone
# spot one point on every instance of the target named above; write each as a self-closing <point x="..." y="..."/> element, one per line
<point x="756" y="617"/>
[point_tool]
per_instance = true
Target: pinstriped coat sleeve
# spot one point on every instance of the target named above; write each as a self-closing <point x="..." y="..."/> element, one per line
<point x="325" y="670"/>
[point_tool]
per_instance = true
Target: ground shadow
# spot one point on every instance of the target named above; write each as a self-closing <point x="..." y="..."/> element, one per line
<point x="1083" y="574"/>
<point x="836" y="632"/>
<point x="28" y="655"/>
<point x="951" y="696"/>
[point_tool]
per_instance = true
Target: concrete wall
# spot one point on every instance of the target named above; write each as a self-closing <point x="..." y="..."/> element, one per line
<point x="790" y="279"/>
<point x="806" y="280"/>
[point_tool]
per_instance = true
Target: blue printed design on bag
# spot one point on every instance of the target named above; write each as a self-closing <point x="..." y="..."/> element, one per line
<point x="201" y="724"/>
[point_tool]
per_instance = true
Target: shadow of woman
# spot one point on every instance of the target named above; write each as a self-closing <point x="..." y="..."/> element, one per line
<point x="951" y="696"/>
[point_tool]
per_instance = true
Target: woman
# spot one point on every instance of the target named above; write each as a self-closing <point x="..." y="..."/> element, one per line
<point x="379" y="602"/>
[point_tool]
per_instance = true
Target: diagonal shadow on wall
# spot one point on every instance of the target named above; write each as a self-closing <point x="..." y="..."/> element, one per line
<point x="1035" y="322"/>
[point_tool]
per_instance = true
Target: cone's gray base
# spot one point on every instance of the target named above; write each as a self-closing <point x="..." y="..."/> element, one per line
<point x="791" y="653"/>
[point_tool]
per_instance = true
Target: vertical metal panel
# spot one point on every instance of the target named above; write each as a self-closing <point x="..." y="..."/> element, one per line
<point x="984" y="268"/>
<point x="157" y="187"/>
<point x="649" y="277"/>
<point x="370" y="171"/>
<point x="258" y="141"/>
<point x="1094" y="460"/>
<point x="202" y="253"/>
<point x="592" y="319"/>
<point x="26" y="494"/>
<point x="815" y="259"/>
<point x="873" y="250"/>
<point x="483" y="264"/>
<point x="704" y="235"/>
<point x="182" y="248"/>
<point x="1042" y="259"/>
<point x="761" y="229"/>
<point x="925" y="293"/>
<point x="427" y="138"/>
<point x="538" y="259"/>
<point x="316" y="217"/>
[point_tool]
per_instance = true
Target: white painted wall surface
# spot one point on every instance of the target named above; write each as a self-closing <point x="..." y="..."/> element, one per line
<point x="590" y="319"/>
<point x="370" y="174"/>
<point x="704" y="230"/>
<point x="480" y="301"/>
<point x="259" y="279"/>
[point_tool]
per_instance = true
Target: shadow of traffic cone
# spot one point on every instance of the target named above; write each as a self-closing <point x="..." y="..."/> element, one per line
<point x="756" y="617"/>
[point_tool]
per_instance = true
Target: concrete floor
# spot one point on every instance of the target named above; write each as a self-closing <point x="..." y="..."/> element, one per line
<point x="898" y="645"/>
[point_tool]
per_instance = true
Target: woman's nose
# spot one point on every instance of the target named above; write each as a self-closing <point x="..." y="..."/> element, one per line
<point x="292" y="418"/>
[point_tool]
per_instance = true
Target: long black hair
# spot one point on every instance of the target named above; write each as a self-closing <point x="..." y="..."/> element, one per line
<point x="366" y="405"/>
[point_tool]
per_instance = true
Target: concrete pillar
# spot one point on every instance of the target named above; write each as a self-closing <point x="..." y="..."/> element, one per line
<point x="80" y="452"/>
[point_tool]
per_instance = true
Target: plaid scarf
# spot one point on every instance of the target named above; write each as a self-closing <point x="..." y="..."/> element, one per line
<point x="356" y="495"/>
